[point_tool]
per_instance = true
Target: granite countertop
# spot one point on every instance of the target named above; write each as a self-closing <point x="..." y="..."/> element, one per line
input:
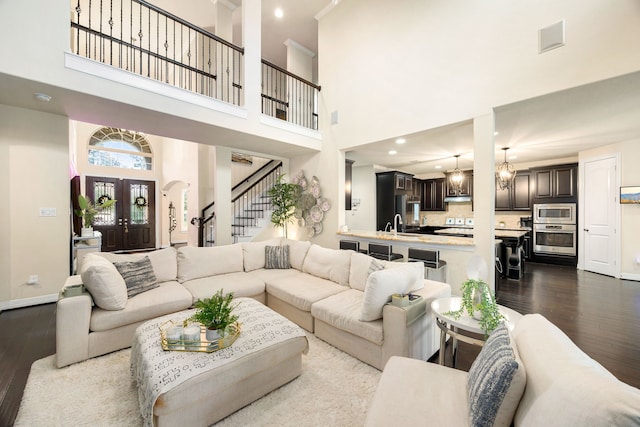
<point x="410" y="237"/>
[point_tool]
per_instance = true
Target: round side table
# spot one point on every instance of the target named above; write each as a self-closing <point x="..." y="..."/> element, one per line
<point x="453" y="327"/>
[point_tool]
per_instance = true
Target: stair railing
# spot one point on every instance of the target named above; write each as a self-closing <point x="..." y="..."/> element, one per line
<point x="250" y="204"/>
<point x="204" y="224"/>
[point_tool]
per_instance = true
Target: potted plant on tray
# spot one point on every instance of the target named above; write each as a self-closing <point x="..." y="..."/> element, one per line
<point x="89" y="210"/>
<point x="215" y="314"/>
<point x="479" y="303"/>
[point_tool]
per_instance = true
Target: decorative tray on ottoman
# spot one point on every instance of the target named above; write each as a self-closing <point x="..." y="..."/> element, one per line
<point x="201" y="344"/>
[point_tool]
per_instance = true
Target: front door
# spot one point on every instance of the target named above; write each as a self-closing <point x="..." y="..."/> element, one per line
<point x="599" y="223"/>
<point x="130" y="223"/>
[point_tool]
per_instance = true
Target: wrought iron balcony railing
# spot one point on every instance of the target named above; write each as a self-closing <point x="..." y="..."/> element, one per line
<point x="139" y="37"/>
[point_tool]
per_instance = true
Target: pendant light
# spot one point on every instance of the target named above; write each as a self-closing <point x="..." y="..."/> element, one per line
<point x="505" y="173"/>
<point x="456" y="176"/>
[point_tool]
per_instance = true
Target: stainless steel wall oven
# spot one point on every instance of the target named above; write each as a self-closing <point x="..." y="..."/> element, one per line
<point x="554" y="229"/>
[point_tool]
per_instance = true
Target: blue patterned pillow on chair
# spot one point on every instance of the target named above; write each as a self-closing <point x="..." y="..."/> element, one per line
<point x="496" y="381"/>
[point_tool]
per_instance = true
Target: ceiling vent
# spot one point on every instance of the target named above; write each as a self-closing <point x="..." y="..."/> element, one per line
<point x="551" y="37"/>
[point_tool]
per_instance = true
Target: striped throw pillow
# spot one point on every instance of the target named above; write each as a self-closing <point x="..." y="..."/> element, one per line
<point x="276" y="257"/>
<point x="496" y="381"/>
<point x="138" y="275"/>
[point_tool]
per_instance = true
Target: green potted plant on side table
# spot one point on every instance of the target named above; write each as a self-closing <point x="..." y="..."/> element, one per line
<point x="89" y="210"/>
<point x="479" y="303"/>
<point x="215" y="314"/>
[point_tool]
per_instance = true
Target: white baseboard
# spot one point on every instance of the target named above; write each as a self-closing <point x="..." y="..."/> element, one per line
<point x="627" y="276"/>
<point x="26" y="302"/>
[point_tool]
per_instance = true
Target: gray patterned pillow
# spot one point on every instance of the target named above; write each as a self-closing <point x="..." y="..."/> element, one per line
<point x="276" y="257"/>
<point x="138" y="275"/>
<point x="496" y="381"/>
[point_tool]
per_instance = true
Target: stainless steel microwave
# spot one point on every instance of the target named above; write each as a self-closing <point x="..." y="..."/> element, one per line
<point x="554" y="213"/>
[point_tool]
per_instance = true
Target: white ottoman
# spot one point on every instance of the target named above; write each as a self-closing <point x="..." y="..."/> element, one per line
<point x="199" y="389"/>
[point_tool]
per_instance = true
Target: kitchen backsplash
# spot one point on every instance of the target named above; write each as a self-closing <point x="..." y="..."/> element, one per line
<point x="511" y="219"/>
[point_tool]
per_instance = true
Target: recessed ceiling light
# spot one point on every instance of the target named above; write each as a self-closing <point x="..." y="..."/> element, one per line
<point x="392" y="152"/>
<point x="42" y="97"/>
<point x="496" y="133"/>
<point x="400" y="141"/>
<point x="438" y="167"/>
<point x="279" y="13"/>
<point x="513" y="157"/>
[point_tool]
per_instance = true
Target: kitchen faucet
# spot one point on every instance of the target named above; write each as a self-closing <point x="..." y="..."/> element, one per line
<point x="398" y="218"/>
<point x="386" y="226"/>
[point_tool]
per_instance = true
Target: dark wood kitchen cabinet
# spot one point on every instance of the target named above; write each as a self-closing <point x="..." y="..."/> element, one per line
<point x="432" y="195"/>
<point x="555" y="184"/>
<point x="517" y="197"/>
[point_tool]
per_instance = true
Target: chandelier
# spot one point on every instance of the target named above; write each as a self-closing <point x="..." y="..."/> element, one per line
<point x="456" y="176"/>
<point x="505" y="173"/>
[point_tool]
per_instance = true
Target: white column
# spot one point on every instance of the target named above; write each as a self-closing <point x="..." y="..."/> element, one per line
<point x="222" y="188"/>
<point x="484" y="192"/>
<point x="251" y="36"/>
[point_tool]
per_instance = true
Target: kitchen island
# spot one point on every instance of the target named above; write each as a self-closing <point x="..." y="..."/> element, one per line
<point x="456" y="251"/>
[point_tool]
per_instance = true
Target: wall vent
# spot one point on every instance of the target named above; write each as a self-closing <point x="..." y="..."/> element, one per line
<point x="551" y="37"/>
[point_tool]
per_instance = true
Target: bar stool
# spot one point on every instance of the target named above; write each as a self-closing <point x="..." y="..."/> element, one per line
<point x="383" y="252"/>
<point x="353" y="245"/>
<point x="434" y="267"/>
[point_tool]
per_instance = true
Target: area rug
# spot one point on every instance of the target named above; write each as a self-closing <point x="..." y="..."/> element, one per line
<point x="334" y="389"/>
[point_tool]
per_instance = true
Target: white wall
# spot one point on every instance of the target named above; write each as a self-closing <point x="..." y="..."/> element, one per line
<point x="33" y="174"/>
<point x="396" y="68"/>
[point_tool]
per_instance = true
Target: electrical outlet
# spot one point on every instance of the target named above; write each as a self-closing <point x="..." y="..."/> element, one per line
<point x="33" y="279"/>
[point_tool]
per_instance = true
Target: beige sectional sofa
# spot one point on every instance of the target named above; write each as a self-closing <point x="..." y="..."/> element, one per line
<point x="556" y="384"/>
<point x="339" y="295"/>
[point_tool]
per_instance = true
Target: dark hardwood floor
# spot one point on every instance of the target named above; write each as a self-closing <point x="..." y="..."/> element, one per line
<point x="600" y="314"/>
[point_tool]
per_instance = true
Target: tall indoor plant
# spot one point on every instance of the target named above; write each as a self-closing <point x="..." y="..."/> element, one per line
<point x="284" y="197"/>
<point x="88" y="210"/>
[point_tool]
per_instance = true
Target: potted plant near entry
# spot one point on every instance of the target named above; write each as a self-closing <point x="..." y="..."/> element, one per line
<point x="215" y="314"/>
<point x="89" y="210"/>
<point x="479" y="303"/>
<point x="284" y="197"/>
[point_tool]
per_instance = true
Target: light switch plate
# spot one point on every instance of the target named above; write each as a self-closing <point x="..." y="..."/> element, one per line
<point x="48" y="212"/>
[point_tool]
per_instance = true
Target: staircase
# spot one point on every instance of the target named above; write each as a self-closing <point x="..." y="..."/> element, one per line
<point x="252" y="204"/>
<point x="251" y="207"/>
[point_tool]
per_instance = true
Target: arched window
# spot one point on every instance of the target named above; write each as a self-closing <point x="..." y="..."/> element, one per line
<point x="120" y="148"/>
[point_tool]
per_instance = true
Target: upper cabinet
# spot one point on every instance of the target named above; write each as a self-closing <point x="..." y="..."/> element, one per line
<point x="518" y="196"/>
<point x="555" y="184"/>
<point x="466" y="189"/>
<point x="432" y="194"/>
<point x="404" y="182"/>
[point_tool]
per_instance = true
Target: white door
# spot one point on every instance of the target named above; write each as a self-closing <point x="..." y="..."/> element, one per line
<point x="599" y="223"/>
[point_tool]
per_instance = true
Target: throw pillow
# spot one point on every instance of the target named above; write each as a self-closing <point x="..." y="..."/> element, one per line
<point x="138" y="276"/>
<point x="496" y="381"/>
<point x="361" y="266"/>
<point x="276" y="257"/>
<point x="418" y="267"/>
<point x="104" y="283"/>
<point x="380" y="286"/>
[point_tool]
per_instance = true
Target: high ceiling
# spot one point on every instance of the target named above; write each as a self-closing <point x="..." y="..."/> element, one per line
<point x="543" y="129"/>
